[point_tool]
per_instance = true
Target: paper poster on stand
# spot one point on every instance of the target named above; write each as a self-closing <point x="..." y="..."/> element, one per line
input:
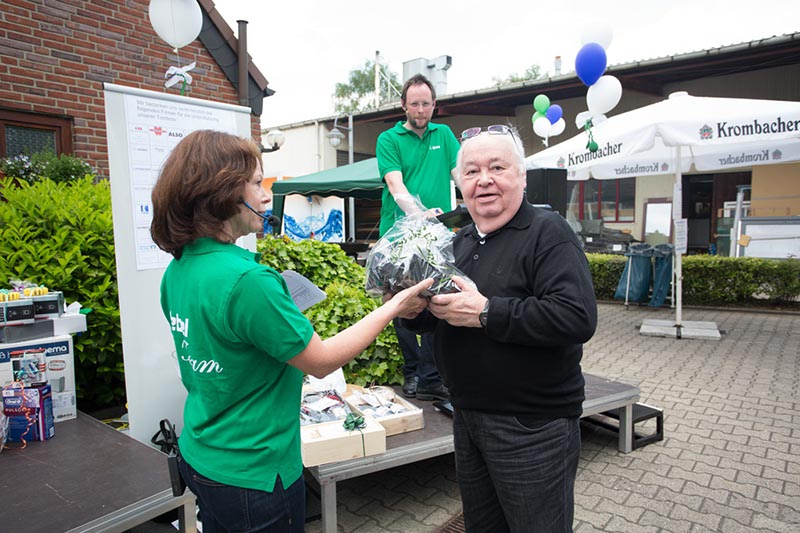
<point x="681" y="236"/>
<point x="142" y="128"/>
<point x="155" y="126"/>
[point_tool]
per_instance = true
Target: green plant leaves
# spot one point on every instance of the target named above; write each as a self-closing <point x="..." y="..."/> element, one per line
<point x="61" y="235"/>
<point x="327" y="266"/>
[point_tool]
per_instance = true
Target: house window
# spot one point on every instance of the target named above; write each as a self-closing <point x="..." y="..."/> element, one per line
<point x="30" y="133"/>
<point x="609" y="200"/>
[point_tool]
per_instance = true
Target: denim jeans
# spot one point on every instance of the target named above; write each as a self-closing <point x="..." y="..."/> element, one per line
<point x="226" y="508"/>
<point x="418" y="359"/>
<point x="516" y="477"/>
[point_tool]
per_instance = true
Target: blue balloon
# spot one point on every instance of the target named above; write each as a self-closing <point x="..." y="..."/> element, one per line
<point x="554" y="112"/>
<point x="590" y="63"/>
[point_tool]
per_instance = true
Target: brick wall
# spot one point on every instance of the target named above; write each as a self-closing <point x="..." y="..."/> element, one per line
<point x="55" y="56"/>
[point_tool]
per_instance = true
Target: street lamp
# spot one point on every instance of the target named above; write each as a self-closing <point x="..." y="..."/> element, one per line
<point x="275" y="139"/>
<point x="335" y="137"/>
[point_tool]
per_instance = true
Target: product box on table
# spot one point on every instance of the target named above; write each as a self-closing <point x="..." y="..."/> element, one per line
<point x="60" y="370"/>
<point x="411" y="418"/>
<point x="329" y="442"/>
<point x="29" y="411"/>
<point x="16" y="312"/>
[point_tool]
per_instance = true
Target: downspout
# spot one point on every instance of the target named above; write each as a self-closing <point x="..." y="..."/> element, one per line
<point x="318" y="129"/>
<point x="244" y="63"/>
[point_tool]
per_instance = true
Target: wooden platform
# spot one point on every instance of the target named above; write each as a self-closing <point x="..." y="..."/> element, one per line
<point x="87" y="478"/>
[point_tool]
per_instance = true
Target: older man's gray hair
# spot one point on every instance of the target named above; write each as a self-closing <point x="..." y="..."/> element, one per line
<point x="516" y="148"/>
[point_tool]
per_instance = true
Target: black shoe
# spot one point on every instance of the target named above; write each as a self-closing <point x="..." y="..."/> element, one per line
<point x="410" y="387"/>
<point x="436" y="393"/>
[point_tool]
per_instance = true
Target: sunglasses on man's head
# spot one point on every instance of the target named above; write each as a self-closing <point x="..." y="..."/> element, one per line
<point x="496" y="129"/>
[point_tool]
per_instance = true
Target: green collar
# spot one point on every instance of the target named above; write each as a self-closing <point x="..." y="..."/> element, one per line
<point x="207" y="245"/>
<point x="401" y="129"/>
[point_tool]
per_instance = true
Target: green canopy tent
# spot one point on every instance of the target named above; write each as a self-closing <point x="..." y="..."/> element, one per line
<point x="359" y="180"/>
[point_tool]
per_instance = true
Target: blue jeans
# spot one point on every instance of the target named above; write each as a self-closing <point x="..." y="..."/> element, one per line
<point x="514" y="476"/>
<point x="418" y="359"/>
<point x="226" y="508"/>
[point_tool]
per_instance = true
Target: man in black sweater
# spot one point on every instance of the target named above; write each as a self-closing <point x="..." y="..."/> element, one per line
<point x="509" y="347"/>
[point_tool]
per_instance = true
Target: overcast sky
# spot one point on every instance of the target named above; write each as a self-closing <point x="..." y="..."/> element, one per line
<point x="304" y="47"/>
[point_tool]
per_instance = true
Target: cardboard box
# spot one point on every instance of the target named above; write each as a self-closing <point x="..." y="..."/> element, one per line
<point x="60" y="368"/>
<point x="16" y="312"/>
<point x="50" y="305"/>
<point x="329" y="442"/>
<point x="29" y="411"/>
<point x="394" y="423"/>
<point x="45" y="327"/>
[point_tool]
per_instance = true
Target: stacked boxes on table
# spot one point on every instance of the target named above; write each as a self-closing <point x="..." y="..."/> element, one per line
<point x="328" y="433"/>
<point x="328" y="442"/>
<point x="54" y="358"/>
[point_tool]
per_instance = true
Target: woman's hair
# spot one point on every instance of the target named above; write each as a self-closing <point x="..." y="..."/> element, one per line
<point x="200" y="187"/>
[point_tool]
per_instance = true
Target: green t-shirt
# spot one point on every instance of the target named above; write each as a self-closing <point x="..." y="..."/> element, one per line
<point x="425" y="163"/>
<point x="235" y="325"/>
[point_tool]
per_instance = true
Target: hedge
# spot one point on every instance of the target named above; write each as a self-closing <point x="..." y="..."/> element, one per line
<point x="61" y="235"/>
<point x="714" y="280"/>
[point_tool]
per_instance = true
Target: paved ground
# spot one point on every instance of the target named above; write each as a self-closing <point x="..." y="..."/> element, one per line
<point x="730" y="461"/>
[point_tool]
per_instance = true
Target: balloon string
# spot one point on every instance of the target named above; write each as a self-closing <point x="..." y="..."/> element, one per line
<point x="591" y="144"/>
<point x="183" y="78"/>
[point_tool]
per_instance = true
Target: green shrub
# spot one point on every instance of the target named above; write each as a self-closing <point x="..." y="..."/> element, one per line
<point x="322" y="263"/>
<point x="606" y="272"/>
<point x="346" y="304"/>
<point x="45" y="165"/>
<point x="328" y="267"/>
<point x="713" y="280"/>
<point x="61" y="236"/>
<point x="780" y="280"/>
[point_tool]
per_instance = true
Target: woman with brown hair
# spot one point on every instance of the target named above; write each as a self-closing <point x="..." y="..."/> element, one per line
<point x="242" y="344"/>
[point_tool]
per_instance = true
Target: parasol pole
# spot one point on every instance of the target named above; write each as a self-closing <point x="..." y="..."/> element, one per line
<point x="678" y="256"/>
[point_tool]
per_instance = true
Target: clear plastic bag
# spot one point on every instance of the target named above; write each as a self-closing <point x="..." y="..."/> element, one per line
<point x="417" y="247"/>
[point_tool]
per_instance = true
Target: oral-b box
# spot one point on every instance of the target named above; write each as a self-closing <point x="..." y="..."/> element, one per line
<point x="59" y="368"/>
<point x="29" y="411"/>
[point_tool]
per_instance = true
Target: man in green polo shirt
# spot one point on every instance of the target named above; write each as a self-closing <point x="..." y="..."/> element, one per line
<point x="417" y="158"/>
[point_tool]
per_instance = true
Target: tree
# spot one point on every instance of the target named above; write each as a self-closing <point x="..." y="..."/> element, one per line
<point x="532" y="73"/>
<point x="358" y="93"/>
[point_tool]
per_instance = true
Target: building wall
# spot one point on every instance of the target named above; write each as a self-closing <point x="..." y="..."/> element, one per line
<point x="775" y="191"/>
<point x="55" y="57"/>
<point x="304" y="151"/>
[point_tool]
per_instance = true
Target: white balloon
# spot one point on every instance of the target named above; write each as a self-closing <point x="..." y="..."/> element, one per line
<point x="598" y="32"/>
<point x="581" y="118"/>
<point x="604" y="95"/>
<point x="599" y="119"/>
<point x="177" y="22"/>
<point x="558" y="127"/>
<point x="541" y="127"/>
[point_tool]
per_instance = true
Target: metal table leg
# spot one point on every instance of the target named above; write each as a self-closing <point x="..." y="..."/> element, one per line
<point x="187" y="517"/>
<point x="328" y="502"/>
<point x="626" y="429"/>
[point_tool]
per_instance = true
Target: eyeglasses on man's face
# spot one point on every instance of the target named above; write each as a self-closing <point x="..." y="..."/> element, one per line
<point x="495" y="129"/>
<point x="423" y="105"/>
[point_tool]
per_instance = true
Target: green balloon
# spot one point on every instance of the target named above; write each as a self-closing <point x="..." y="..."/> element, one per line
<point x="535" y="116"/>
<point x="541" y="103"/>
<point x="593" y="146"/>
